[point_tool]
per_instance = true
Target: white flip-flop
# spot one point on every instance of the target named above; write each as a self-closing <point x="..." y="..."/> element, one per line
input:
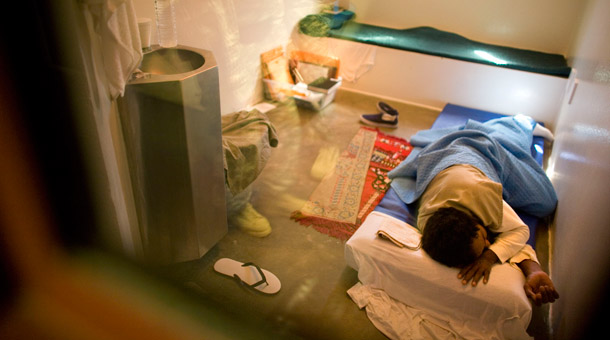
<point x="249" y="274"/>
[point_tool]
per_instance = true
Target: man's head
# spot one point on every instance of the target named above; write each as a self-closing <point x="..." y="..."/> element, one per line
<point x="453" y="237"/>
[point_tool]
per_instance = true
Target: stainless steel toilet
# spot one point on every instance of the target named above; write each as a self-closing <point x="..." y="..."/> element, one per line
<point x="170" y="117"/>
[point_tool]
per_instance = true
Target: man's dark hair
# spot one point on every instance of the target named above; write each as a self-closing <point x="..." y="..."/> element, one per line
<point x="448" y="235"/>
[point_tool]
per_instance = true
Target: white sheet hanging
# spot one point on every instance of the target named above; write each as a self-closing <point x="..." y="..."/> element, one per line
<point x="356" y="58"/>
<point x="110" y="50"/>
<point x="115" y="24"/>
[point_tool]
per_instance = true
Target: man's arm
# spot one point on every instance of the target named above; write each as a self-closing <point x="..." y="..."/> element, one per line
<point x="513" y="234"/>
<point x="480" y="268"/>
<point x="538" y="285"/>
<point x="512" y="237"/>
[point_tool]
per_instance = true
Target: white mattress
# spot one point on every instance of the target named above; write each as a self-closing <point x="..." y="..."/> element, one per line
<point x="496" y="310"/>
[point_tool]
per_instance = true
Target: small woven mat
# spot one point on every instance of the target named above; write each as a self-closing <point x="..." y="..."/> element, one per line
<point x="359" y="181"/>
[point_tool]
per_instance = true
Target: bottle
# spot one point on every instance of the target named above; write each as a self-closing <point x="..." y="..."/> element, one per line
<point x="166" y="23"/>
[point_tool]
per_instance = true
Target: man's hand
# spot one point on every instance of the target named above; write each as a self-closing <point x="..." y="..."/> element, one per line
<point x="538" y="285"/>
<point x="480" y="268"/>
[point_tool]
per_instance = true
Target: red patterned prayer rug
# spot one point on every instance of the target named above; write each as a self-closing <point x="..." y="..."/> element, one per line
<point x="344" y="198"/>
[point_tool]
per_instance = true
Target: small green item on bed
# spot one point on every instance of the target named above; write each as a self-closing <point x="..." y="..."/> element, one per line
<point x="315" y="25"/>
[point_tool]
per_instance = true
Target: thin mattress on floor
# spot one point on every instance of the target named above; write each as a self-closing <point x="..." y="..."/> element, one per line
<point x="498" y="309"/>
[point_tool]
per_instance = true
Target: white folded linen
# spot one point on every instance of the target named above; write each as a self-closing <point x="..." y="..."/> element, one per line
<point x="401" y="234"/>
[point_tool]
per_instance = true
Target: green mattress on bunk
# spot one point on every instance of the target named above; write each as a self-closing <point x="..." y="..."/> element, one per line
<point x="429" y="40"/>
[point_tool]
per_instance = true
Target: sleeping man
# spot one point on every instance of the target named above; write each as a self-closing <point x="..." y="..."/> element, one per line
<point x="466" y="182"/>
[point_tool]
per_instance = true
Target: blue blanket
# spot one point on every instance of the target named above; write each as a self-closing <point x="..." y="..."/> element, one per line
<point x="500" y="148"/>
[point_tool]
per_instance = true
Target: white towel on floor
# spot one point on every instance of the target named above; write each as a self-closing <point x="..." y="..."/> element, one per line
<point x="116" y="25"/>
<point x="397" y="320"/>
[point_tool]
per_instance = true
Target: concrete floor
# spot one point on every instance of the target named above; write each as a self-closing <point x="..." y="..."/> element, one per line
<point x="312" y="303"/>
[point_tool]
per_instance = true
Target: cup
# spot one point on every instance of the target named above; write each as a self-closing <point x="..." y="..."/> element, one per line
<point x="144" y="26"/>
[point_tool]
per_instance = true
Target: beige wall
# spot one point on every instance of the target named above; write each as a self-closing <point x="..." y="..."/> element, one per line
<point x="580" y="171"/>
<point x="435" y="81"/>
<point x="237" y="32"/>
<point x="543" y="25"/>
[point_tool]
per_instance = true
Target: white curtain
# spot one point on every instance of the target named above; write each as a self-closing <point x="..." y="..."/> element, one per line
<point x="110" y="51"/>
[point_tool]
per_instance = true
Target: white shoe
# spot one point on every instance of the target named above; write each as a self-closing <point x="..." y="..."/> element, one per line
<point x="251" y="222"/>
